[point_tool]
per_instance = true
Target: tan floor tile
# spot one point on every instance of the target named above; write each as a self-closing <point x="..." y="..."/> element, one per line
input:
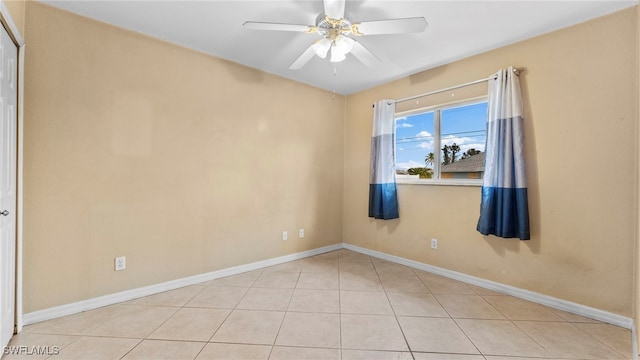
<point x="284" y="280"/>
<point x="375" y="355"/>
<point x="299" y="353"/>
<point x="360" y="282"/>
<point x="352" y="256"/>
<point x="442" y="285"/>
<point x="468" y="307"/>
<point x="365" y="302"/>
<point x="356" y="268"/>
<point x="266" y="299"/>
<point x="416" y="304"/>
<point x="616" y="337"/>
<point x="191" y="324"/>
<point x="318" y="281"/>
<point x="310" y="330"/>
<point x="36" y="346"/>
<point x="428" y="356"/>
<point x="371" y="332"/>
<point x="216" y="351"/>
<point x="435" y="335"/>
<point x="565" y="340"/>
<point x="489" y="357"/>
<point x="137" y="324"/>
<point x="573" y="318"/>
<point x="291" y="266"/>
<point x="376" y="260"/>
<point x="482" y="291"/>
<point x="177" y="297"/>
<point x="97" y="348"/>
<point x="518" y="309"/>
<point x="403" y="283"/>
<point x="392" y="270"/>
<point x="500" y="337"/>
<point x="314" y="291"/>
<point x="79" y="324"/>
<point x="242" y="280"/>
<point x="165" y="350"/>
<point x="332" y="255"/>
<point x="250" y="327"/>
<point x="323" y="301"/>
<point x="319" y="266"/>
<point x="220" y="297"/>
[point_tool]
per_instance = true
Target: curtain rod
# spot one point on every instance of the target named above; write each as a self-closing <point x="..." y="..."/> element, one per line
<point x="516" y="71"/>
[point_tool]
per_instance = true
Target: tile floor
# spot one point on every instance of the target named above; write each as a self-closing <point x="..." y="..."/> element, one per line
<point x="339" y="305"/>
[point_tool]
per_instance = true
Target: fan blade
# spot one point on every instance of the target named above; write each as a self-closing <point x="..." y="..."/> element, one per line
<point x="303" y="59"/>
<point x="365" y="56"/>
<point x="334" y="9"/>
<point x="255" y="25"/>
<point x="393" y="26"/>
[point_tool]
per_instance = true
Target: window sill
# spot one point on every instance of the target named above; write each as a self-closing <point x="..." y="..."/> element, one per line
<point x="442" y="182"/>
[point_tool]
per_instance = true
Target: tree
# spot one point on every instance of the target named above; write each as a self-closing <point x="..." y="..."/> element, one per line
<point x="450" y="153"/>
<point x="446" y="157"/>
<point x="423" y="172"/>
<point x="455" y="149"/>
<point x="469" y="153"/>
<point x="429" y="159"/>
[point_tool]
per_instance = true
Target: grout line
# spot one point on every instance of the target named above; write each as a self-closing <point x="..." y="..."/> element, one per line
<point x="339" y="291"/>
<point x="395" y="316"/>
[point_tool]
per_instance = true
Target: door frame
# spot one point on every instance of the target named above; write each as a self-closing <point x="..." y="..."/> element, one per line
<point x="16" y="36"/>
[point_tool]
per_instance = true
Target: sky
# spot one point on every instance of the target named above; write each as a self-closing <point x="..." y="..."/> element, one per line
<point x="463" y="125"/>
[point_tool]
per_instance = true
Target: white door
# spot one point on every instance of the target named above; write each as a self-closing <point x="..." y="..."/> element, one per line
<point x="8" y="160"/>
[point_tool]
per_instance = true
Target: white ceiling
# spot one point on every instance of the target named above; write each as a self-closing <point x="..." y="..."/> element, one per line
<point x="457" y="29"/>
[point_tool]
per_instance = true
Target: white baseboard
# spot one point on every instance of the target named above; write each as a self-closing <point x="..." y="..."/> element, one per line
<point x="550" y="301"/>
<point x="94" y="303"/>
<point x="568" y="306"/>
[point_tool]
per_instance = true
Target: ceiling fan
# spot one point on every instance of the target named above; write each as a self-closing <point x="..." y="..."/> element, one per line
<point x="335" y="31"/>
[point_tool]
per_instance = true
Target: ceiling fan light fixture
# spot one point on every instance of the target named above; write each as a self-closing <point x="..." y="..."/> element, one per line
<point x="337" y="54"/>
<point x="344" y="43"/>
<point x="321" y="47"/>
<point x="336" y="31"/>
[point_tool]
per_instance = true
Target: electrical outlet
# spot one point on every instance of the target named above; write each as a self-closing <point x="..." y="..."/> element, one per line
<point x="301" y="233"/>
<point x="120" y="263"/>
<point x="434" y="243"/>
<point x="284" y="235"/>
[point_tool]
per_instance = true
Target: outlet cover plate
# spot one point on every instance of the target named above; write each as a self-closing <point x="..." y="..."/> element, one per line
<point x="120" y="263"/>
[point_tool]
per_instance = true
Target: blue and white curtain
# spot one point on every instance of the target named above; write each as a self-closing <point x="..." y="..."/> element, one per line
<point x="383" y="200"/>
<point x="504" y="209"/>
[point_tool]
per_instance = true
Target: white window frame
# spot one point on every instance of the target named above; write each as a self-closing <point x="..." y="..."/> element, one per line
<point x="437" y="109"/>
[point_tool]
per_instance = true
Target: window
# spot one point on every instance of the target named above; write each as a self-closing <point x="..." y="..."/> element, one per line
<point x="442" y="142"/>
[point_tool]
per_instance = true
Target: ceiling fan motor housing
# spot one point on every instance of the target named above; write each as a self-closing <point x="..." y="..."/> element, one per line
<point x="331" y="28"/>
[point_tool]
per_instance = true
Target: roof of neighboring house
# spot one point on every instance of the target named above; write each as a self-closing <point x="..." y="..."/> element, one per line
<point x="470" y="164"/>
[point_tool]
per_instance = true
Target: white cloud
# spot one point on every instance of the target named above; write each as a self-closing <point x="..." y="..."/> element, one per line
<point x="425" y="145"/>
<point x="424" y="134"/>
<point x="400" y="149"/>
<point x="401" y="118"/>
<point x="478" y="146"/>
<point x="404" y="125"/>
<point x="409" y="164"/>
<point x="450" y="139"/>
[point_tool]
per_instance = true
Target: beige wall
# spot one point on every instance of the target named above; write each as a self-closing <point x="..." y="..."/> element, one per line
<point x="182" y="162"/>
<point x="17" y="9"/>
<point x="581" y="119"/>
<point x="637" y="174"/>
<point x="186" y="163"/>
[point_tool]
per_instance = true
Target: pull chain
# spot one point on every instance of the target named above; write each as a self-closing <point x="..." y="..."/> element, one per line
<point x="335" y="72"/>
